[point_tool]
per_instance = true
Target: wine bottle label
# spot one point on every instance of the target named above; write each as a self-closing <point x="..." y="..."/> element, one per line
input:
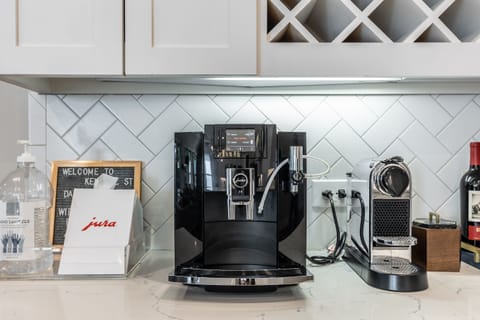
<point x="473" y="233"/>
<point x="474" y="206"/>
<point x="19" y="234"/>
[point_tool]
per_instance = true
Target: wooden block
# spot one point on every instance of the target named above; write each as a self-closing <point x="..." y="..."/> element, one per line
<point x="437" y="249"/>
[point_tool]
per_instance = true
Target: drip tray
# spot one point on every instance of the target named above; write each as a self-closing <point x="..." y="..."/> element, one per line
<point x="392" y="265"/>
<point x="386" y="272"/>
<point x="234" y="277"/>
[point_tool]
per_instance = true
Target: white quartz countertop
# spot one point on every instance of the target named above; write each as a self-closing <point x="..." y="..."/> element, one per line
<point x="336" y="293"/>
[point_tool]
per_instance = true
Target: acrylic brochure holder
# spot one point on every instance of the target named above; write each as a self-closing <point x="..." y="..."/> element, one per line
<point x="104" y="238"/>
<point x="104" y="233"/>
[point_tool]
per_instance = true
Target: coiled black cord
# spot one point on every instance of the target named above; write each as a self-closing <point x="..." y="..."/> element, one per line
<point x="340" y="238"/>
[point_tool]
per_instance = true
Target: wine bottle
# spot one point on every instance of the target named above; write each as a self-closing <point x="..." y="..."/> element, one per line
<point x="470" y="198"/>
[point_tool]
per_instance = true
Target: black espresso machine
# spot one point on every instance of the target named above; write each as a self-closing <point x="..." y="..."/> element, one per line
<point x="240" y="208"/>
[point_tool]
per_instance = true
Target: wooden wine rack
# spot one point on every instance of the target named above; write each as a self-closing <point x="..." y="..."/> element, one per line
<point x="370" y="21"/>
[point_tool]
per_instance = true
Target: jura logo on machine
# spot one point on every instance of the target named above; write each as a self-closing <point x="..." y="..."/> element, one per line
<point x="240" y="180"/>
<point x="99" y="224"/>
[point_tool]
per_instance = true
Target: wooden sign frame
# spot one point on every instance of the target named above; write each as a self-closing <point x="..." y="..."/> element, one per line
<point x="56" y="165"/>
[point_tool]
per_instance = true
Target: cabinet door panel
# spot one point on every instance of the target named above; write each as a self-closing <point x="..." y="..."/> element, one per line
<point x="190" y="37"/>
<point x="62" y="37"/>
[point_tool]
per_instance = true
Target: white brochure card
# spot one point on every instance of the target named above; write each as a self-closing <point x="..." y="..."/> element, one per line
<point x="98" y="232"/>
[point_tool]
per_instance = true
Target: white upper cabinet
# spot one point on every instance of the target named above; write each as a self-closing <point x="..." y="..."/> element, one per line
<point x="190" y="37"/>
<point x="391" y="38"/>
<point x="61" y="37"/>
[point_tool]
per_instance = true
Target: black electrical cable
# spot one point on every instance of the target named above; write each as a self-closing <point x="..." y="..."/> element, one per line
<point x="358" y="195"/>
<point x="340" y="238"/>
<point x="359" y="247"/>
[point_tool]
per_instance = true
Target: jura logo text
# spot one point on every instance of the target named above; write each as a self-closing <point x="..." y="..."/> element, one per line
<point x="240" y="180"/>
<point x="99" y="224"/>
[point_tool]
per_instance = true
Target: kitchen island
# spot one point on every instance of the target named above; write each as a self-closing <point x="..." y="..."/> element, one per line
<point x="336" y="293"/>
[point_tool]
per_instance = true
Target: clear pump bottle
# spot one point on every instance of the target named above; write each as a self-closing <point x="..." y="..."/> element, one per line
<point x="25" y="197"/>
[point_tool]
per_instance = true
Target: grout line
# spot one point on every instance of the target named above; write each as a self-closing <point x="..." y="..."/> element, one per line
<point x="60" y="137"/>
<point x="99" y="138"/>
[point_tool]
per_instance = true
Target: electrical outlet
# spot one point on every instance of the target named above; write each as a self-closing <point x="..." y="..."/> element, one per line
<point x="333" y="185"/>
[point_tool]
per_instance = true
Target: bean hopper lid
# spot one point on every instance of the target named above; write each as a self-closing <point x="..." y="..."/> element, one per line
<point x="434" y="222"/>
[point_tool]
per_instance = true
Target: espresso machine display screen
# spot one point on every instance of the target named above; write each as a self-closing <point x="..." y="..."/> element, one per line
<point x="242" y="140"/>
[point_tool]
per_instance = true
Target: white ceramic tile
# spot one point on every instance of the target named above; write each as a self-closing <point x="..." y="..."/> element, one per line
<point x="125" y="145"/>
<point x="454" y="169"/>
<point x="81" y="103"/>
<point x="349" y="144"/>
<point x="59" y="117"/>
<point x="40" y="154"/>
<point x="453" y="104"/>
<point x="160" y="207"/>
<point x="428" y="186"/>
<point x="388" y="128"/>
<point x="129" y="111"/>
<point x="312" y="212"/>
<point x="202" y="109"/>
<point x="86" y="131"/>
<point x="192" y="126"/>
<point x="353" y="111"/>
<point x="231" y="104"/>
<point x="419" y="208"/>
<point x="324" y="151"/>
<point x="99" y="151"/>
<point x="161" y="131"/>
<point x="477" y="99"/>
<point x="398" y="148"/>
<point x="336" y="139"/>
<point x="318" y="123"/>
<point x="248" y="114"/>
<point x="320" y="233"/>
<point x="160" y="169"/>
<point x="279" y="111"/>
<point x="425" y="146"/>
<point x="57" y="149"/>
<point x="37" y="126"/>
<point x="451" y="208"/>
<point x="462" y="128"/>
<point x="156" y="103"/>
<point x="427" y="111"/>
<point x="162" y="239"/>
<point x="306" y="104"/>
<point x="147" y="193"/>
<point x="380" y="104"/>
<point x="339" y="170"/>
<point x="40" y="98"/>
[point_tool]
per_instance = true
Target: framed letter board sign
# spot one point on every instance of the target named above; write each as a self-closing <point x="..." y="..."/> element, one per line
<point x="68" y="175"/>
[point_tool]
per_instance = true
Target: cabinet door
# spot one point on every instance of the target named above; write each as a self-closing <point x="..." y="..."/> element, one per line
<point x="190" y="37"/>
<point x="61" y="37"/>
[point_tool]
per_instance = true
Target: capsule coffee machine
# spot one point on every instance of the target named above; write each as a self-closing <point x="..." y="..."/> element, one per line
<point x="240" y="208"/>
<point x="379" y="226"/>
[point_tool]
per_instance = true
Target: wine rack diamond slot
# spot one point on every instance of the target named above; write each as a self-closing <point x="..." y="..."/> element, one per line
<point x="367" y="21"/>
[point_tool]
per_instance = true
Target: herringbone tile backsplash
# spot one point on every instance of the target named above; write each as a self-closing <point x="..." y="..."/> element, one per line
<point x="431" y="132"/>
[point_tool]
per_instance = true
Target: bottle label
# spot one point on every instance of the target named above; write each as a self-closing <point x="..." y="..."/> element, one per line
<point x="473" y="233"/>
<point x="474" y="206"/>
<point x="23" y="229"/>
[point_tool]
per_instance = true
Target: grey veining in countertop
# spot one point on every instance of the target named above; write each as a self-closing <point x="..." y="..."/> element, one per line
<point x="336" y="293"/>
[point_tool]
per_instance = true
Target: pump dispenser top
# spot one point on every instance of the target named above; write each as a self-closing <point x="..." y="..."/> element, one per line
<point x="26" y="156"/>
